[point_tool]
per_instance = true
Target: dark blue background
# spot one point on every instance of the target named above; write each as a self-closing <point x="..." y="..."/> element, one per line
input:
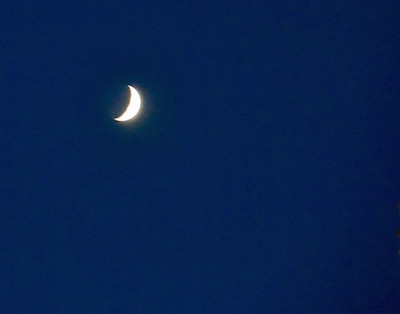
<point x="262" y="175"/>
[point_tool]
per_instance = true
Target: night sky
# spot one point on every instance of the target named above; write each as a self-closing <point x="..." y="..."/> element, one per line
<point x="262" y="174"/>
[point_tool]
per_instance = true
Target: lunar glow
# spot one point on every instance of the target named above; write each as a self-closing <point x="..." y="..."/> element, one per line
<point x="133" y="106"/>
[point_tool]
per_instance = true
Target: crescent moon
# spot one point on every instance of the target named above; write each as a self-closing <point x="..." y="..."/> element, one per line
<point x="133" y="106"/>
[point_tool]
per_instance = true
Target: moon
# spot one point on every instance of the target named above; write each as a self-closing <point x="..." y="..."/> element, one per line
<point x="133" y="106"/>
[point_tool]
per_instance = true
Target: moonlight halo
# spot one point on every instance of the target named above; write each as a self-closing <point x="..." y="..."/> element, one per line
<point x="133" y="106"/>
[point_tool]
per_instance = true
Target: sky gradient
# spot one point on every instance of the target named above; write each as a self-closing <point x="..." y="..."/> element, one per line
<point x="261" y="176"/>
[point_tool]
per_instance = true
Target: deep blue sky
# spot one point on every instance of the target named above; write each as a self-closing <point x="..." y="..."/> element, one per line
<point x="262" y="175"/>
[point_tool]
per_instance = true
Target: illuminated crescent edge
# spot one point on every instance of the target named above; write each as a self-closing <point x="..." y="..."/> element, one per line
<point x="133" y="106"/>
